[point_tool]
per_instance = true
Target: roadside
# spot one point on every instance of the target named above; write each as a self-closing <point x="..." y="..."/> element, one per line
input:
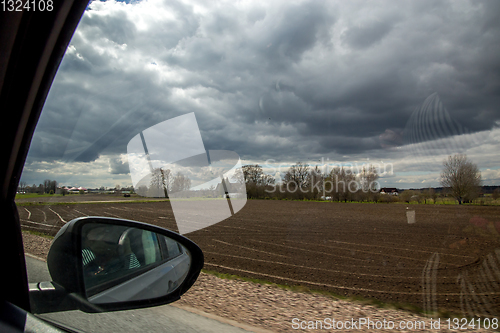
<point x="180" y="318"/>
<point x="271" y="308"/>
<point x="164" y="318"/>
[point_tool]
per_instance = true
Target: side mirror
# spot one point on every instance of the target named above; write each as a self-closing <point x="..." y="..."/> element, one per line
<point x="102" y="264"/>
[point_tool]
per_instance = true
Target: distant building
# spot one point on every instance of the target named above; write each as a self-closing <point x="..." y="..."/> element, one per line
<point x="76" y="189"/>
<point x="389" y="190"/>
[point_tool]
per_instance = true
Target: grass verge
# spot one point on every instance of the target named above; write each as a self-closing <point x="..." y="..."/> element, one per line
<point x="49" y="203"/>
<point x="37" y="233"/>
<point x="358" y="299"/>
<point x="36" y="195"/>
<point x="446" y="201"/>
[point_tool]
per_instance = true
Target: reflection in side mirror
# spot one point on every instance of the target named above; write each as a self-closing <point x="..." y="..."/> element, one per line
<point x="129" y="264"/>
<point x="100" y="264"/>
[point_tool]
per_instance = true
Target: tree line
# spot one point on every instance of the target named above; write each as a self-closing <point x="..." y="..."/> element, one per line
<point x="460" y="178"/>
<point x="303" y="182"/>
<point x="162" y="181"/>
<point x="48" y="187"/>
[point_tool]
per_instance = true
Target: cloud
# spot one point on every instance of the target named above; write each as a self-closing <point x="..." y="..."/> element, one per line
<point x="364" y="36"/>
<point x="89" y="174"/>
<point x="119" y="166"/>
<point x="280" y="80"/>
<point x="490" y="176"/>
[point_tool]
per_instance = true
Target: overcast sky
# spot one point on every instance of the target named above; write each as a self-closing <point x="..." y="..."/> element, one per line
<point x="403" y="83"/>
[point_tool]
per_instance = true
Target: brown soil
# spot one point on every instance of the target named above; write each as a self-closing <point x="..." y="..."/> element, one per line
<point x="448" y="259"/>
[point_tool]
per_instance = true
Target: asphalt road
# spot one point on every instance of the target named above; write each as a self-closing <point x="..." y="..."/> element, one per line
<point x="164" y="318"/>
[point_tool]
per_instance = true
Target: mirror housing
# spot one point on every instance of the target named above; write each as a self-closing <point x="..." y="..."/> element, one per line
<point x="68" y="291"/>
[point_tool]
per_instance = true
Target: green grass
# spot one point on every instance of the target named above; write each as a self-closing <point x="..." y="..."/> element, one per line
<point x="36" y="195"/>
<point x="200" y="199"/>
<point x="49" y="203"/>
<point x="485" y="201"/>
<point x="37" y="233"/>
<point x="441" y="201"/>
<point x="41" y="203"/>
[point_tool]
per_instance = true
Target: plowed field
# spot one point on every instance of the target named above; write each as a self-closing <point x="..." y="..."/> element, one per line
<point x="448" y="259"/>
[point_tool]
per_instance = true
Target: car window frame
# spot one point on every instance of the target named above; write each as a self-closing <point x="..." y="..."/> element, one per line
<point x="32" y="45"/>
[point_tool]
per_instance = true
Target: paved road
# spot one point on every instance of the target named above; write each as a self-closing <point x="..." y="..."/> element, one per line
<point x="164" y="318"/>
<point x="37" y="270"/>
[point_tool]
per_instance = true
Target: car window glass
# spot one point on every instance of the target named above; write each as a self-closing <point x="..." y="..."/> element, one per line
<point x="172" y="248"/>
<point x="349" y="148"/>
<point x="151" y="247"/>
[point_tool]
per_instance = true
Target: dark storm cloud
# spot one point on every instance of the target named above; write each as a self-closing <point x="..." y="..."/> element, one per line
<point x="118" y="167"/>
<point x="364" y="36"/>
<point x="295" y="30"/>
<point x="116" y="27"/>
<point x="271" y="80"/>
<point x="105" y="116"/>
<point x="349" y="145"/>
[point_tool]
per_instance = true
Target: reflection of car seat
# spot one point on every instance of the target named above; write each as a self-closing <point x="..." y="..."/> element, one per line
<point x="128" y="244"/>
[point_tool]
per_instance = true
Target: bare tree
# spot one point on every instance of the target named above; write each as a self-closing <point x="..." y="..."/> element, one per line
<point x="297" y="175"/>
<point x="167" y="179"/>
<point x="49" y="186"/>
<point x="368" y="184"/>
<point x="317" y="181"/>
<point x="46" y="185"/>
<point x="255" y="180"/>
<point x="267" y="180"/>
<point x="180" y="183"/>
<point x="156" y="185"/>
<point x="368" y="179"/>
<point x="22" y="186"/>
<point x="343" y="184"/>
<point x="252" y="173"/>
<point x="461" y="177"/>
<point x="160" y="183"/>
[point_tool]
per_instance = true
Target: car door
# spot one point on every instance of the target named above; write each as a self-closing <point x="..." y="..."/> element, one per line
<point x="33" y="44"/>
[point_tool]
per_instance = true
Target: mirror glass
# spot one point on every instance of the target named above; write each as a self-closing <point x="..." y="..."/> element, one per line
<point x="129" y="264"/>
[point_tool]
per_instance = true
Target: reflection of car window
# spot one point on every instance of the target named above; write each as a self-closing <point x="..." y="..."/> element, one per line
<point x="151" y="248"/>
<point x="171" y="248"/>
